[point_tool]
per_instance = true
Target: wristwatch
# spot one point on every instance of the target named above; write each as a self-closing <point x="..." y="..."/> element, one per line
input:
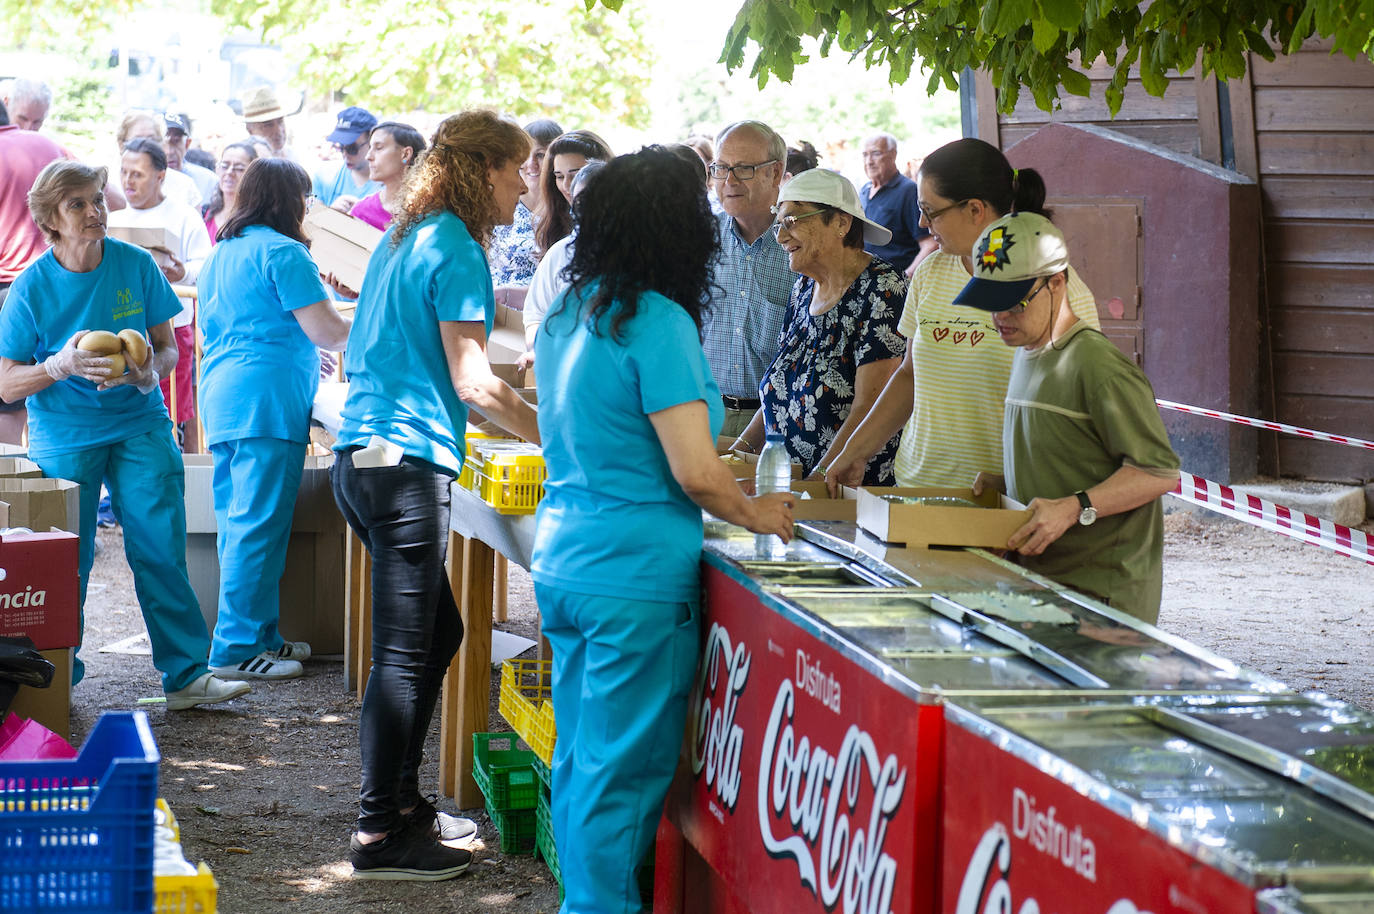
<point x="1088" y="514"/>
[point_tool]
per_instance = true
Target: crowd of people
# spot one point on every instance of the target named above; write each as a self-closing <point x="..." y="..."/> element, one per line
<point x="910" y="332"/>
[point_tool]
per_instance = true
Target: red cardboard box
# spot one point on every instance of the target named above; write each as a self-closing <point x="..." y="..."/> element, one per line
<point x="39" y="589"/>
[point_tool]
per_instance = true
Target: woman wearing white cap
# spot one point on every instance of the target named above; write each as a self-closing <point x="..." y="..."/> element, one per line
<point x="839" y="341"/>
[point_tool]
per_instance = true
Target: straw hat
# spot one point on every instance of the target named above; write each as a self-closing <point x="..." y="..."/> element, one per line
<point x="261" y="104"/>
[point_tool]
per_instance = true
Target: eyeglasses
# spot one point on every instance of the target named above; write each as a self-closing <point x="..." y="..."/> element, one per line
<point x="351" y="149"/>
<point x="790" y="222"/>
<point x="932" y="215"/>
<point x="1020" y="307"/>
<point x="232" y="168"/>
<point x="719" y="172"/>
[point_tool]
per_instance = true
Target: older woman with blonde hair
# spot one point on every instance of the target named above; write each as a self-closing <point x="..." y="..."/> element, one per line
<point x="91" y="419"/>
<point x="416" y="362"/>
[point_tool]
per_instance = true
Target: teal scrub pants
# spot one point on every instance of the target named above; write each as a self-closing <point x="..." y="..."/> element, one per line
<point x="255" y="486"/>
<point x="622" y="670"/>
<point x="147" y="485"/>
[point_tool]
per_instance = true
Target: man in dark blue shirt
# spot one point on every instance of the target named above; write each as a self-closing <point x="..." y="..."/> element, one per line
<point x="889" y="199"/>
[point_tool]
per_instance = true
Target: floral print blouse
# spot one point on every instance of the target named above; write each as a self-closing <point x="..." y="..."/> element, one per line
<point x="809" y="389"/>
<point x="512" y="254"/>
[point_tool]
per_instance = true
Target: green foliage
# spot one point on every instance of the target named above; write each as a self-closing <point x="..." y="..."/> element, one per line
<point x="528" y="57"/>
<point x="1042" y="44"/>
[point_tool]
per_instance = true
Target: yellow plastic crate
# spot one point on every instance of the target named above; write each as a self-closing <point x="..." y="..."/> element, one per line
<point x="198" y="894"/>
<point x="168" y="819"/>
<point x="526" y="702"/>
<point x="512" y="483"/>
<point x="467" y="479"/>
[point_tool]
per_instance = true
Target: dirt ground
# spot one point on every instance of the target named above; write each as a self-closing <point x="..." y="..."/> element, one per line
<point x="266" y="788"/>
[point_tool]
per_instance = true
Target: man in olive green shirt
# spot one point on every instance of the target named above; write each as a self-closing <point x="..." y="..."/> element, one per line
<point x="1083" y="444"/>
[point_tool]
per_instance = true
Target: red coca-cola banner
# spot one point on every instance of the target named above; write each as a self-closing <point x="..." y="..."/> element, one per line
<point x="806" y="785"/>
<point x="1017" y="840"/>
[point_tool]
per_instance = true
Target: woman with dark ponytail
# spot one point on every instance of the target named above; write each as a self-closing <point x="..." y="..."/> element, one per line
<point x="949" y="390"/>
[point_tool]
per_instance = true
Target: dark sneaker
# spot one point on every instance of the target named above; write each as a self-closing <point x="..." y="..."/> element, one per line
<point x="407" y="854"/>
<point x="442" y="827"/>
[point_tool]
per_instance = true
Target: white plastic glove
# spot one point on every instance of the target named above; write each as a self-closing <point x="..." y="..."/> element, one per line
<point x="144" y="377"/>
<point x="70" y="361"/>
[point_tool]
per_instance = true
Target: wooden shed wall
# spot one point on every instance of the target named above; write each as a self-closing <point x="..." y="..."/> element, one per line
<point x="1303" y="126"/>
<point x="1310" y="143"/>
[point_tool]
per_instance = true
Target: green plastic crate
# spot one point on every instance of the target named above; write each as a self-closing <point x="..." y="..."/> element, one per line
<point x="517" y="828"/>
<point x="504" y="772"/>
<point x="543" y="841"/>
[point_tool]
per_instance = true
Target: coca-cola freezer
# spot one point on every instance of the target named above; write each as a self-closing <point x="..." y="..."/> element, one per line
<point x="1291" y="901"/>
<point x="812" y="766"/>
<point x="1081" y="804"/>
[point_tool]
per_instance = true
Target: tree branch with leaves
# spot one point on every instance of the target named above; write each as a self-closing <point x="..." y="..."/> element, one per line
<point x="1041" y="45"/>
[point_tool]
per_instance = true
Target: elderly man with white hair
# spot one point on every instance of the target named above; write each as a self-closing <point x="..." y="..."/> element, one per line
<point x="890" y="199"/>
<point x="27" y="101"/>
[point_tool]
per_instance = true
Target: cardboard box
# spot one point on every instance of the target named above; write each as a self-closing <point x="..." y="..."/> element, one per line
<point x="51" y="707"/>
<point x="19" y="468"/>
<point x="341" y="244"/>
<point x="40" y="589"/>
<point x="745" y="465"/>
<point x="507" y="340"/>
<point x="931" y="525"/>
<point x="156" y="239"/>
<point x="313" y="584"/>
<point x="41" y="504"/>
<point x="820" y="506"/>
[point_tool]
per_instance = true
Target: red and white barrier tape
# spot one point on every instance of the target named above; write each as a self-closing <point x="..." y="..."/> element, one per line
<point x="1266" y="424"/>
<point x="1277" y="518"/>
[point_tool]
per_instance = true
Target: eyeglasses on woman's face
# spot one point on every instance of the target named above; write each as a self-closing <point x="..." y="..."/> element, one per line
<point x="790" y="222"/>
<point x="930" y="215"/>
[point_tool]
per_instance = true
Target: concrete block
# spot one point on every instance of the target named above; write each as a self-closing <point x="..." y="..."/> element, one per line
<point x="1339" y="504"/>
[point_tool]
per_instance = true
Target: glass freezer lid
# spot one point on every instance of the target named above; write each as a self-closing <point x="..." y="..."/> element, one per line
<point x="1126" y="750"/>
<point x="1293" y="901"/>
<point x="1258" y="819"/>
<point x="1117" y="654"/>
<point x="1004" y="671"/>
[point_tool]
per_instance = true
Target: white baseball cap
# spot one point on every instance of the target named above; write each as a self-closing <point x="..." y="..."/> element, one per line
<point x="827" y="188"/>
<point x="1010" y="255"/>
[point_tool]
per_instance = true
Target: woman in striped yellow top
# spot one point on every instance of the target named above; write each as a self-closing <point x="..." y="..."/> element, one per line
<point x="949" y="390"/>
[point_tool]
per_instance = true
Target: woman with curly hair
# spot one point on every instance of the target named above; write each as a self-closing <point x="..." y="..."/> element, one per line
<point x="629" y="427"/>
<point x="565" y="158"/>
<point x="416" y="362"/>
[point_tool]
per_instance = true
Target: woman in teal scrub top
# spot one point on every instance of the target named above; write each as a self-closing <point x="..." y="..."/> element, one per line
<point x="263" y="311"/>
<point x="88" y="422"/>
<point x="416" y="362"/>
<point x="628" y="415"/>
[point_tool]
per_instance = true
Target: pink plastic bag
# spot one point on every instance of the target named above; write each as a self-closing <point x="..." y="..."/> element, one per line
<point x="23" y="740"/>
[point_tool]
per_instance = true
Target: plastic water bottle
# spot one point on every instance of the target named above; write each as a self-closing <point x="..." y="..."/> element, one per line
<point x="774" y="474"/>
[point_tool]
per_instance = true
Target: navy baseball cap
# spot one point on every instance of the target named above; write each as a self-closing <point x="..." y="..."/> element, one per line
<point x="352" y="123"/>
<point x="176" y="121"/>
<point x="1009" y="256"/>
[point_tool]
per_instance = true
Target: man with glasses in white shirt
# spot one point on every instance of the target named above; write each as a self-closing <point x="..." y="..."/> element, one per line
<point x="741" y="330"/>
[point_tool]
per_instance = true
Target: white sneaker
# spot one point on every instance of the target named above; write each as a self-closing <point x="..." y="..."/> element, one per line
<point x="261" y="666"/>
<point x="292" y="650"/>
<point x="208" y="689"/>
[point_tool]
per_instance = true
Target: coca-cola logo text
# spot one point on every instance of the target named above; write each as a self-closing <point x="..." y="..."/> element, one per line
<point x="717" y="741"/>
<point x="815" y="800"/>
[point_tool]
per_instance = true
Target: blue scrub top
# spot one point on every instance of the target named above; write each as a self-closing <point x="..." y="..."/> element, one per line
<point x="47" y="305"/>
<point x="614" y="521"/>
<point x="259" y="371"/>
<point x="400" y="388"/>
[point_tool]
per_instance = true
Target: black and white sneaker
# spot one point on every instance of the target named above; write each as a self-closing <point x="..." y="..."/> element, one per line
<point x="447" y="829"/>
<point x="292" y="650"/>
<point x="266" y="665"/>
<point x="407" y="854"/>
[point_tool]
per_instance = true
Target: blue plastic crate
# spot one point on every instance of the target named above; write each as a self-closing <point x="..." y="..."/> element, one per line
<point x="77" y="835"/>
